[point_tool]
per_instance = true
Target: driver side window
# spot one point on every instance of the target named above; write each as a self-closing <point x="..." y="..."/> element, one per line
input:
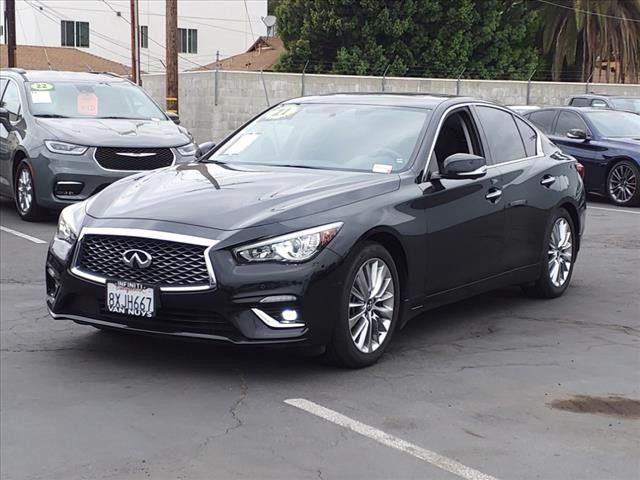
<point x="458" y="134"/>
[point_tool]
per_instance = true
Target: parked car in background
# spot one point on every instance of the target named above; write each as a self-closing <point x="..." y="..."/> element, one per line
<point x="65" y="136"/>
<point x="325" y="221"/>
<point x="614" y="102"/>
<point x="606" y="142"/>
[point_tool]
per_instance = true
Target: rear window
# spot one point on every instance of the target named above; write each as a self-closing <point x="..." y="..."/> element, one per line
<point x="579" y="102"/>
<point x="543" y="119"/>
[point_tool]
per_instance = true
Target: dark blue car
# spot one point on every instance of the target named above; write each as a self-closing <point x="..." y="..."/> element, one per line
<point x="606" y="142"/>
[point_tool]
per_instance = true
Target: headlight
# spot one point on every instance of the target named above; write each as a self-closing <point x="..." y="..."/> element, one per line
<point x="64" y="147"/>
<point x="70" y="222"/>
<point x="188" y="150"/>
<point x="294" y="247"/>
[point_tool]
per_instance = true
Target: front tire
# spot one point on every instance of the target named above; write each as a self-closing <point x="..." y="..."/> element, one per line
<point x="25" y="194"/>
<point x="622" y="184"/>
<point x="370" y="304"/>
<point x="558" y="258"/>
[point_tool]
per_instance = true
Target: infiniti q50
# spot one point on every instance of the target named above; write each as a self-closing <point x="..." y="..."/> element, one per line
<point x="326" y="221"/>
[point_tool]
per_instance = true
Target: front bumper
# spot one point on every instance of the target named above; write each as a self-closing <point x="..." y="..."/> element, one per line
<point x="61" y="180"/>
<point x="233" y="311"/>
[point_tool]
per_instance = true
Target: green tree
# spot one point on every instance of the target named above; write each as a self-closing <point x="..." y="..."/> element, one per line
<point x="579" y="34"/>
<point x="488" y="38"/>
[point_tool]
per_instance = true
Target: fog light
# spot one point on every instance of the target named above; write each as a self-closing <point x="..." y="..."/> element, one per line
<point x="66" y="189"/>
<point x="289" y="315"/>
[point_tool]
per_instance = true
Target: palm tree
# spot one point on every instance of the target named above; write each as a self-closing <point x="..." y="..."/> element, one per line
<point x="584" y="33"/>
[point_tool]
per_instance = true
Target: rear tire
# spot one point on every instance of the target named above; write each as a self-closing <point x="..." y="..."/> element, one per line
<point x="622" y="184"/>
<point x="25" y="194"/>
<point x="558" y="257"/>
<point x="369" y="305"/>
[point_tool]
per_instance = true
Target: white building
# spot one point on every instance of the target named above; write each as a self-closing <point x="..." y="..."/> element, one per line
<point x="206" y="28"/>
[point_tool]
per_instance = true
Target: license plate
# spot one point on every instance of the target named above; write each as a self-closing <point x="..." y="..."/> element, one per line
<point x="130" y="299"/>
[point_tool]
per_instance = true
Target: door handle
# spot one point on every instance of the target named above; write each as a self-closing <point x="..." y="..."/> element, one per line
<point x="493" y="195"/>
<point x="547" y="181"/>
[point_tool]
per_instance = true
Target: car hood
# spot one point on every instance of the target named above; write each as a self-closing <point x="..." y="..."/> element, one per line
<point x="227" y="197"/>
<point x="115" y="132"/>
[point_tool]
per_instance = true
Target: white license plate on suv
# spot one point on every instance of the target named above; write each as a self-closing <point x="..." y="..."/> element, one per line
<point x="130" y="298"/>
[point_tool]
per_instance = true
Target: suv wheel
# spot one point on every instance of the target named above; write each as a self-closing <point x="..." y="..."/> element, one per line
<point x="25" y="194"/>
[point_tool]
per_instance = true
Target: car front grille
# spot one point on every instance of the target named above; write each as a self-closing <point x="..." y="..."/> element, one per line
<point x="173" y="264"/>
<point x="124" y="158"/>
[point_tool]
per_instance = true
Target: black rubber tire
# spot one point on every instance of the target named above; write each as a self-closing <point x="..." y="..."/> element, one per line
<point x="543" y="287"/>
<point x="635" y="198"/>
<point x="35" y="212"/>
<point x="341" y="351"/>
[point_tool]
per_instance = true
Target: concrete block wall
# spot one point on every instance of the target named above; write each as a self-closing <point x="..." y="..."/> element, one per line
<point x="214" y="104"/>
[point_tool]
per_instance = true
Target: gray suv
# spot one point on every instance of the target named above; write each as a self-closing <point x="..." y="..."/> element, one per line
<point x="66" y="135"/>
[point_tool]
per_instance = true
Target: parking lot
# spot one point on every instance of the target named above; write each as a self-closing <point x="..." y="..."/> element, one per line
<point x="496" y="387"/>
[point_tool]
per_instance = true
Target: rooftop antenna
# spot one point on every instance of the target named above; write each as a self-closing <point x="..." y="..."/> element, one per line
<point x="270" y="23"/>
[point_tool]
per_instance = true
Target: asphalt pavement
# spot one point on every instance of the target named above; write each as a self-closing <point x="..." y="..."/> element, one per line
<point x="499" y="386"/>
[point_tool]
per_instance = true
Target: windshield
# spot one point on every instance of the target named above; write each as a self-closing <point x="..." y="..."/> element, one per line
<point x="629" y="104"/>
<point x="328" y="136"/>
<point x="91" y="100"/>
<point x="616" y="124"/>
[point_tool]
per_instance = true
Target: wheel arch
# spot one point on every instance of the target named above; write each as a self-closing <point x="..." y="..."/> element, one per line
<point x="615" y="160"/>
<point x="572" y="210"/>
<point x="18" y="157"/>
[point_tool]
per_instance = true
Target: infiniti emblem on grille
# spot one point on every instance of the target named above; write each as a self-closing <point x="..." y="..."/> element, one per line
<point x="137" y="258"/>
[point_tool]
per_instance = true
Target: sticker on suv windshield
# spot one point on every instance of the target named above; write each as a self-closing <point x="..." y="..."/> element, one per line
<point x="87" y="104"/>
<point x="41" y="87"/>
<point x="381" y="168"/>
<point x="40" y="96"/>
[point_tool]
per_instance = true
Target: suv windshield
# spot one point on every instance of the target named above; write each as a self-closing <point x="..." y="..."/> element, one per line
<point x="328" y="136"/>
<point x="91" y="100"/>
<point x="629" y="104"/>
<point x="616" y="124"/>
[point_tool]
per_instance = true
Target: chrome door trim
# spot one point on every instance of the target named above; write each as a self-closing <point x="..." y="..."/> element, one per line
<point x="153" y="234"/>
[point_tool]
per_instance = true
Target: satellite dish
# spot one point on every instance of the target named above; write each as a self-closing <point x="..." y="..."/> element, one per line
<point x="269" y="21"/>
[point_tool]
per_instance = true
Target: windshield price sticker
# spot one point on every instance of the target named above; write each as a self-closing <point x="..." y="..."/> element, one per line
<point x="87" y="104"/>
<point x="282" y="112"/>
<point x="41" y="96"/>
<point x="382" y="168"/>
<point x="41" y="87"/>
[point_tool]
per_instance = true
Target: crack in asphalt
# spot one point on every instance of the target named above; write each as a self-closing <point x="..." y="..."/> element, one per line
<point x="233" y="410"/>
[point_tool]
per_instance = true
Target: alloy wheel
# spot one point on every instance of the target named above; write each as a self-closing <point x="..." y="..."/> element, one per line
<point x="622" y="183"/>
<point x="371" y="305"/>
<point x="25" y="191"/>
<point x="560" y="253"/>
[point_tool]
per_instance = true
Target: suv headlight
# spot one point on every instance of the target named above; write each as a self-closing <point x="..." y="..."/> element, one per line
<point x="65" y="148"/>
<point x="294" y="247"/>
<point x="188" y="150"/>
<point x="70" y="222"/>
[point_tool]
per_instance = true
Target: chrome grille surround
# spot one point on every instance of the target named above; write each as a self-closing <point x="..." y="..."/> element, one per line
<point x="185" y="244"/>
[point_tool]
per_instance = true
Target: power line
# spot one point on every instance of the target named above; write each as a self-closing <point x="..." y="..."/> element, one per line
<point x="587" y="12"/>
<point x="246" y="9"/>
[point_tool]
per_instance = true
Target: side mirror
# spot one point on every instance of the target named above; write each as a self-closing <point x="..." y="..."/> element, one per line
<point x="577" y="134"/>
<point x="4" y="118"/>
<point x="463" y="165"/>
<point x="204" y="148"/>
<point x="174" y="117"/>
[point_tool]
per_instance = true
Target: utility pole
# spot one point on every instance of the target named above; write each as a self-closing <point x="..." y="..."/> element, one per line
<point x="10" y="25"/>
<point x="134" y="41"/>
<point x="171" y="14"/>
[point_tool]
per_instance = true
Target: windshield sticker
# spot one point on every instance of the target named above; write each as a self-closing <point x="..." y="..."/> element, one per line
<point x="282" y="112"/>
<point x="41" y="87"/>
<point x="382" y="168"/>
<point x="40" y="96"/>
<point x="241" y="144"/>
<point x="87" y="104"/>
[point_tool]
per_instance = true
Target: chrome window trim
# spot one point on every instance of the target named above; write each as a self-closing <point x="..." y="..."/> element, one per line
<point x="539" y="151"/>
<point x="93" y="155"/>
<point x="155" y="235"/>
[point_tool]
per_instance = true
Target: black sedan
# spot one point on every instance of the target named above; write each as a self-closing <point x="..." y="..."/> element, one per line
<point x="326" y="221"/>
<point x="606" y="142"/>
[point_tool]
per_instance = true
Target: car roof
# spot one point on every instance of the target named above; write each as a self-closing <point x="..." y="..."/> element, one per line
<point x="428" y="101"/>
<point x="53" y="76"/>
